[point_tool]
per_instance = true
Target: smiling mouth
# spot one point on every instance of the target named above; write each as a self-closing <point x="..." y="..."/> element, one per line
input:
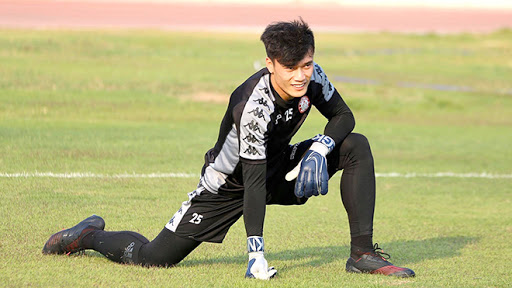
<point x="299" y="85"/>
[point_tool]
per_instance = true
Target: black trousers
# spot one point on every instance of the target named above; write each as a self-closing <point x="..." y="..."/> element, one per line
<point x="357" y="187"/>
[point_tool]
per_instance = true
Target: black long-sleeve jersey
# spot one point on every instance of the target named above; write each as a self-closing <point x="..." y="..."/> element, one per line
<point x="257" y="129"/>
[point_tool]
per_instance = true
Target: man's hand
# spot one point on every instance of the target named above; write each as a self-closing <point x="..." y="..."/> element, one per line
<point x="311" y="172"/>
<point x="258" y="266"/>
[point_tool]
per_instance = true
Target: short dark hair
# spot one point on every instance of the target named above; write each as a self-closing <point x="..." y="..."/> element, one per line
<point x="288" y="42"/>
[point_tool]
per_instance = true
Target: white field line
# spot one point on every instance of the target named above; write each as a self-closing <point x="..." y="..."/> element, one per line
<point x="94" y="175"/>
<point x="443" y="175"/>
<point x="190" y="175"/>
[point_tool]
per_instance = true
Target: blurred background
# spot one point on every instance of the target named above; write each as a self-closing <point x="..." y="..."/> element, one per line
<point x="107" y="107"/>
<point x="415" y="16"/>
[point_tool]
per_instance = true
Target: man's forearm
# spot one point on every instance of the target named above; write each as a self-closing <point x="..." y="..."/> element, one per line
<point x="340" y="126"/>
<point x="255" y="195"/>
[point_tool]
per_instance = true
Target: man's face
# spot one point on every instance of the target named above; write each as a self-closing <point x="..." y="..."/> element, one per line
<point x="291" y="82"/>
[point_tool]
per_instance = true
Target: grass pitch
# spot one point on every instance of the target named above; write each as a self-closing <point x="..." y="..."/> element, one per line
<point x="113" y="102"/>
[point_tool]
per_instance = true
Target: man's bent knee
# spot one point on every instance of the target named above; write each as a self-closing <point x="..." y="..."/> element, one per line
<point x="356" y="144"/>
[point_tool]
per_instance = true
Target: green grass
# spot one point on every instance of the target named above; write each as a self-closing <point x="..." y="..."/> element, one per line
<point x="110" y="102"/>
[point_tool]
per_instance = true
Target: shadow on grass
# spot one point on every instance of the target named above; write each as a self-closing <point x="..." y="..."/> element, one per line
<point x="402" y="252"/>
<point x="405" y="252"/>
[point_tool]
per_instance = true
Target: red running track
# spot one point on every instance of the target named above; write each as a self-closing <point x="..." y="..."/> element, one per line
<point x="46" y="14"/>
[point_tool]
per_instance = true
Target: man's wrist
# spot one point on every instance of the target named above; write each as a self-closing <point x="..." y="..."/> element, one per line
<point x="324" y="140"/>
<point x="255" y="244"/>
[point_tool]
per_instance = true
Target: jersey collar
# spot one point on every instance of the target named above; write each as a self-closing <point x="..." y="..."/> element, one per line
<point x="280" y="101"/>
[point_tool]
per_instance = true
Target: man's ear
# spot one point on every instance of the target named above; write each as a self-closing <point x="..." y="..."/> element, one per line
<point x="270" y="65"/>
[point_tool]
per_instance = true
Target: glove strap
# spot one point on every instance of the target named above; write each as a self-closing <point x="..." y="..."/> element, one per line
<point x="326" y="140"/>
<point x="255" y="244"/>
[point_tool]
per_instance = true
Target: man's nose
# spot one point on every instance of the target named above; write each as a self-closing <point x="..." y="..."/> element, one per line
<point x="299" y="74"/>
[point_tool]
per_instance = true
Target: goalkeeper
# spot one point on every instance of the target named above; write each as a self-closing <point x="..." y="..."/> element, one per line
<point x="253" y="165"/>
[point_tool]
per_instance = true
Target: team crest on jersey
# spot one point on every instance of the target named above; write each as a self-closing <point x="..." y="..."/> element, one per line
<point x="304" y="104"/>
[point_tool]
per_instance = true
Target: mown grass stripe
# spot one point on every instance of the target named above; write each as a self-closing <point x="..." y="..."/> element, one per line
<point x="191" y="175"/>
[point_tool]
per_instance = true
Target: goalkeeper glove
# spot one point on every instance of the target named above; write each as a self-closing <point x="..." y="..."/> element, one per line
<point x="258" y="266"/>
<point x="311" y="172"/>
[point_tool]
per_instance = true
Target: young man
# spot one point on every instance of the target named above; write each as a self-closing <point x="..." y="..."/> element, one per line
<point x="247" y="169"/>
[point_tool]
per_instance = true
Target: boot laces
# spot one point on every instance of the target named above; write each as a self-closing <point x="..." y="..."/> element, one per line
<point x="379" y="252"/>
